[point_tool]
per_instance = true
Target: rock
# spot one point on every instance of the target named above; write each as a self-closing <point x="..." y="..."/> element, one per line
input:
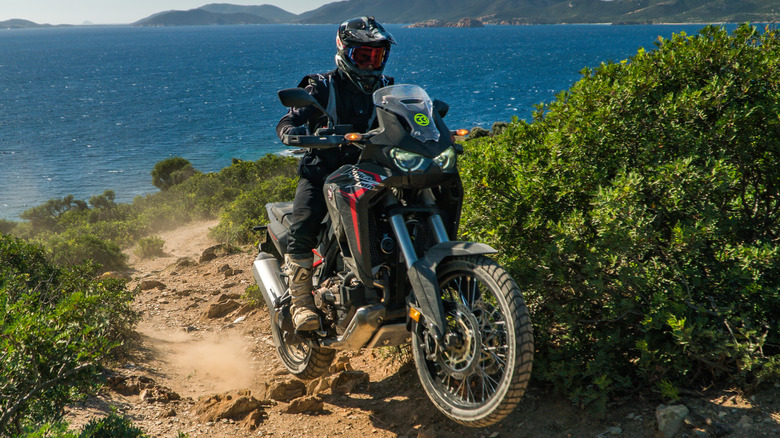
<point x="158" y="394"/>
<point x="348" y="381"/>
<point x="318" y="386"/>
<point x="226" y="297"/>
<point x="214" y="252"/>
<point x="745" y="423"/>
<point x="615" y="430"/>
<point x="306" y="404"/>
<point x="253" y="420"/>
<point x="168" y="413"/>
<point x="116" y="275"/>
<point x="427" y="433"/>
<point x="670" y="419"/>
<point x="129" y="385"/>
<point x="219" y="310"/>
<point x="286" y="390"/>
<point x="234" y="405"/>
<point x="228" y="271"/>
<point x="185" y="262"/>
<point x="340" y="364"/>
<point x="463" y="22"/>
<point x="151" y="284"/>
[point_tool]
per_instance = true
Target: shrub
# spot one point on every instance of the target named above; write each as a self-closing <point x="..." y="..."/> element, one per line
<point x="640" y="211"/>
<point x="58" y="323"/>
<point x="171" y="171"/>
<point x="150" y="247"/>
<point x="7" y="226"/>
<point x="75" y="248"/>
<point x="248" y="210"/>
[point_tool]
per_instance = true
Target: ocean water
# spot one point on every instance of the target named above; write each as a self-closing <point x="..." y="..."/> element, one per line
<point x="85" y="109"/>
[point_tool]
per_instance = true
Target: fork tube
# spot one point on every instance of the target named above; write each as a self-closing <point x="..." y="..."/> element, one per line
<point x="398" y="225"/>
<point x="435" y="219"/>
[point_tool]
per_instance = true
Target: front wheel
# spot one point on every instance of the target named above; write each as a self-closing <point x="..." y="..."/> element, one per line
<point x="480" y="373"/>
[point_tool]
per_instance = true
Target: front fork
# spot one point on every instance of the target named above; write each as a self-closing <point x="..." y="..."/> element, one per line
<point x="422" y="271"/>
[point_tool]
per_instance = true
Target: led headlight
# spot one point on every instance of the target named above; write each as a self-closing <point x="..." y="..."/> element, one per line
<point x="408" y="161"/>
<point x="446" y="160"/>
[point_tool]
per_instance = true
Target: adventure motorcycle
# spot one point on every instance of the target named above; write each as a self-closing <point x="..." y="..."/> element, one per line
<point x="386" y="272"/>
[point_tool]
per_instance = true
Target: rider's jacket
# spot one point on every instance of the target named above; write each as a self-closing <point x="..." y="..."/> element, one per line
<point x="346" y="105"/>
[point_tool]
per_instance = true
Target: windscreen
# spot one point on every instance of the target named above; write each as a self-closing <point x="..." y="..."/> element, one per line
<point x="411" y="103"/>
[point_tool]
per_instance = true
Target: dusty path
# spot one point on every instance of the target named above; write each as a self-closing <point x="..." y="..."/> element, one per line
<point x="199" y="338"/>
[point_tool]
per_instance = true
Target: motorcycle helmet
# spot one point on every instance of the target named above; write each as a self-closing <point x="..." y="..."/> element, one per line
<point x="363" y="48"/>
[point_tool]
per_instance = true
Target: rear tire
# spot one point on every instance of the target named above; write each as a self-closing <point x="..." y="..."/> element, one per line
<point x="480" y="378"/>
<point x="301" y="360"/>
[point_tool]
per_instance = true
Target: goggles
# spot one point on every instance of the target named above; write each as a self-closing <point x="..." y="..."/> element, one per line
<point x="365" y="57"/>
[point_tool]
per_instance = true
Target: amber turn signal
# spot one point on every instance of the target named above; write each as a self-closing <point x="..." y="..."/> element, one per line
<point x="353" y="136"/>
<point x="414" y="314"/>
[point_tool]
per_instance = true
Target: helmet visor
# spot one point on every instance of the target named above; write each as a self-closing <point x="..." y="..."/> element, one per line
<point x="368" y="58"/>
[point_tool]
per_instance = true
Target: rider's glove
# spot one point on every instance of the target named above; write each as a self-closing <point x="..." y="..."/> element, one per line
<point x="298" y="130"/>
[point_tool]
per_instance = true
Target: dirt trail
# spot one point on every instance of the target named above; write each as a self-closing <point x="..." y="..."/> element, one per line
<point x="199" y="338"/>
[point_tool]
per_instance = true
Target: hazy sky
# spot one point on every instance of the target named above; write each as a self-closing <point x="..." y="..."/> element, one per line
<point x="123" y="11"/>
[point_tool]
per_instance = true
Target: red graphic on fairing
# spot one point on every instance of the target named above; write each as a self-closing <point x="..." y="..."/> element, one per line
<point x="364" y="181"/>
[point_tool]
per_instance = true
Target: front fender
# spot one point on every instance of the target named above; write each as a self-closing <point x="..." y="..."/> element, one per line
<point x="422" y="276"/>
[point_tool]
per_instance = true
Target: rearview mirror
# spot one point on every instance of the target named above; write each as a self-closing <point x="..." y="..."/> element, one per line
<point x="441" y="108"/>
<point x="297" y="97"/>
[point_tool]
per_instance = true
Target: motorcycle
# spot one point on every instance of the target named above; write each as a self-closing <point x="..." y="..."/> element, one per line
<point x="386" y="272"/>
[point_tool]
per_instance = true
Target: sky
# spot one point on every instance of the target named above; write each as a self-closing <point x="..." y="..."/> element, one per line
<point x="123" y="11"/>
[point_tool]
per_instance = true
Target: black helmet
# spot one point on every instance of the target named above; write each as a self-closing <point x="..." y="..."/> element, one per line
<point x="363" y="48"/>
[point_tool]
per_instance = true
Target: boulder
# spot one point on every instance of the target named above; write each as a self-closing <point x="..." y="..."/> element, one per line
<point x="670" y="419"/>
<point x="234" y="405"/>
<point x="348" y="381"/>
<point x="304" y="405"/>
<point x="219" y="310"/>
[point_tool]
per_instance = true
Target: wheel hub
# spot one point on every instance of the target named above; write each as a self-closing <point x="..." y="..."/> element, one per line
<point x="460" y="354"/>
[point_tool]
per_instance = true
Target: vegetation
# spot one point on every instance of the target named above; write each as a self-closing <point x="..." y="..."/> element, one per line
<point x="76" y="230"/>
<point x="640" y="211"/>
<point x="150" y="247"/>
<point x="58" y="324"/>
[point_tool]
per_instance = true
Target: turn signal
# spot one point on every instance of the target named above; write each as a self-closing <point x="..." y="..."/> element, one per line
<point x="462" y="132"/>
<point x="353" y="136"/>
<point x="414" y="314"/>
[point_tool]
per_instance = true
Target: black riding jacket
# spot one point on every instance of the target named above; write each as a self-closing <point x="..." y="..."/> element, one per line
<point x="348" y="105"/>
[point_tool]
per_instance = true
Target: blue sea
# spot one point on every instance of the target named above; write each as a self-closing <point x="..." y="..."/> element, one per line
<point x="89" y="108"/>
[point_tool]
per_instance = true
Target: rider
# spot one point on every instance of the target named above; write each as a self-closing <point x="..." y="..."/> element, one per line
<point x="346" y="94"/>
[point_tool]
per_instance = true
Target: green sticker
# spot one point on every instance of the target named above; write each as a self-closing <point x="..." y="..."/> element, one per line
<point x="421" y="119"/>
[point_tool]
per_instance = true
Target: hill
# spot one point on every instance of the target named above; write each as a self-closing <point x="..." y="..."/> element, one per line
<point x="17" y="23"/>
<point x="550" y="11"/>
<point x="272" y="13"/>
<point x="199" y="17"/>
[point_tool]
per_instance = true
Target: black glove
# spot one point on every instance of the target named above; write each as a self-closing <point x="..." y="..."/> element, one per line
<point x="298" y="130"/>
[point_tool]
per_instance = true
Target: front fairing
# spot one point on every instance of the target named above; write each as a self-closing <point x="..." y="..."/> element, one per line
<point x="408" y="122"/>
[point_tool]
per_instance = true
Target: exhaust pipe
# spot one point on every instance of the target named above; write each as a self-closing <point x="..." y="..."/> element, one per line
<point x="361" y="329"/>
<point x="268" y="276"/>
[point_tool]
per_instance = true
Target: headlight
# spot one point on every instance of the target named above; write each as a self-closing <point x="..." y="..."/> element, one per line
<point x="408" y="161"/>
<point x="446" y="160"/>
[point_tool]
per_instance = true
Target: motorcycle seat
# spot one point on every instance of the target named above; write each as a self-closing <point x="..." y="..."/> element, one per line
<point x="281" y="211"/>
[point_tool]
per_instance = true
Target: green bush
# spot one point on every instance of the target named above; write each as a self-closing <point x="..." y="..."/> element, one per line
<point x="248" y="210"/>
<point x="640" y="211"/>
<point x="72" y="247"/>
<point x="58" y="324"/>
<point x="112" y="426"/>
<point x="150" y="247"/>
<point x="171" y="171"/>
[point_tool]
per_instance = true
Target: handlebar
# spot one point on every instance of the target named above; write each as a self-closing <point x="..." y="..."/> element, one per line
<point x="314" y="141"/>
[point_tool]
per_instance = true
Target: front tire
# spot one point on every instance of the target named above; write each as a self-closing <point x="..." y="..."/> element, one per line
<point x="481" y="375"/>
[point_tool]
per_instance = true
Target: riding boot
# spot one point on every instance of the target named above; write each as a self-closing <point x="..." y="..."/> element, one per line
<point x="304" y="313"/>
